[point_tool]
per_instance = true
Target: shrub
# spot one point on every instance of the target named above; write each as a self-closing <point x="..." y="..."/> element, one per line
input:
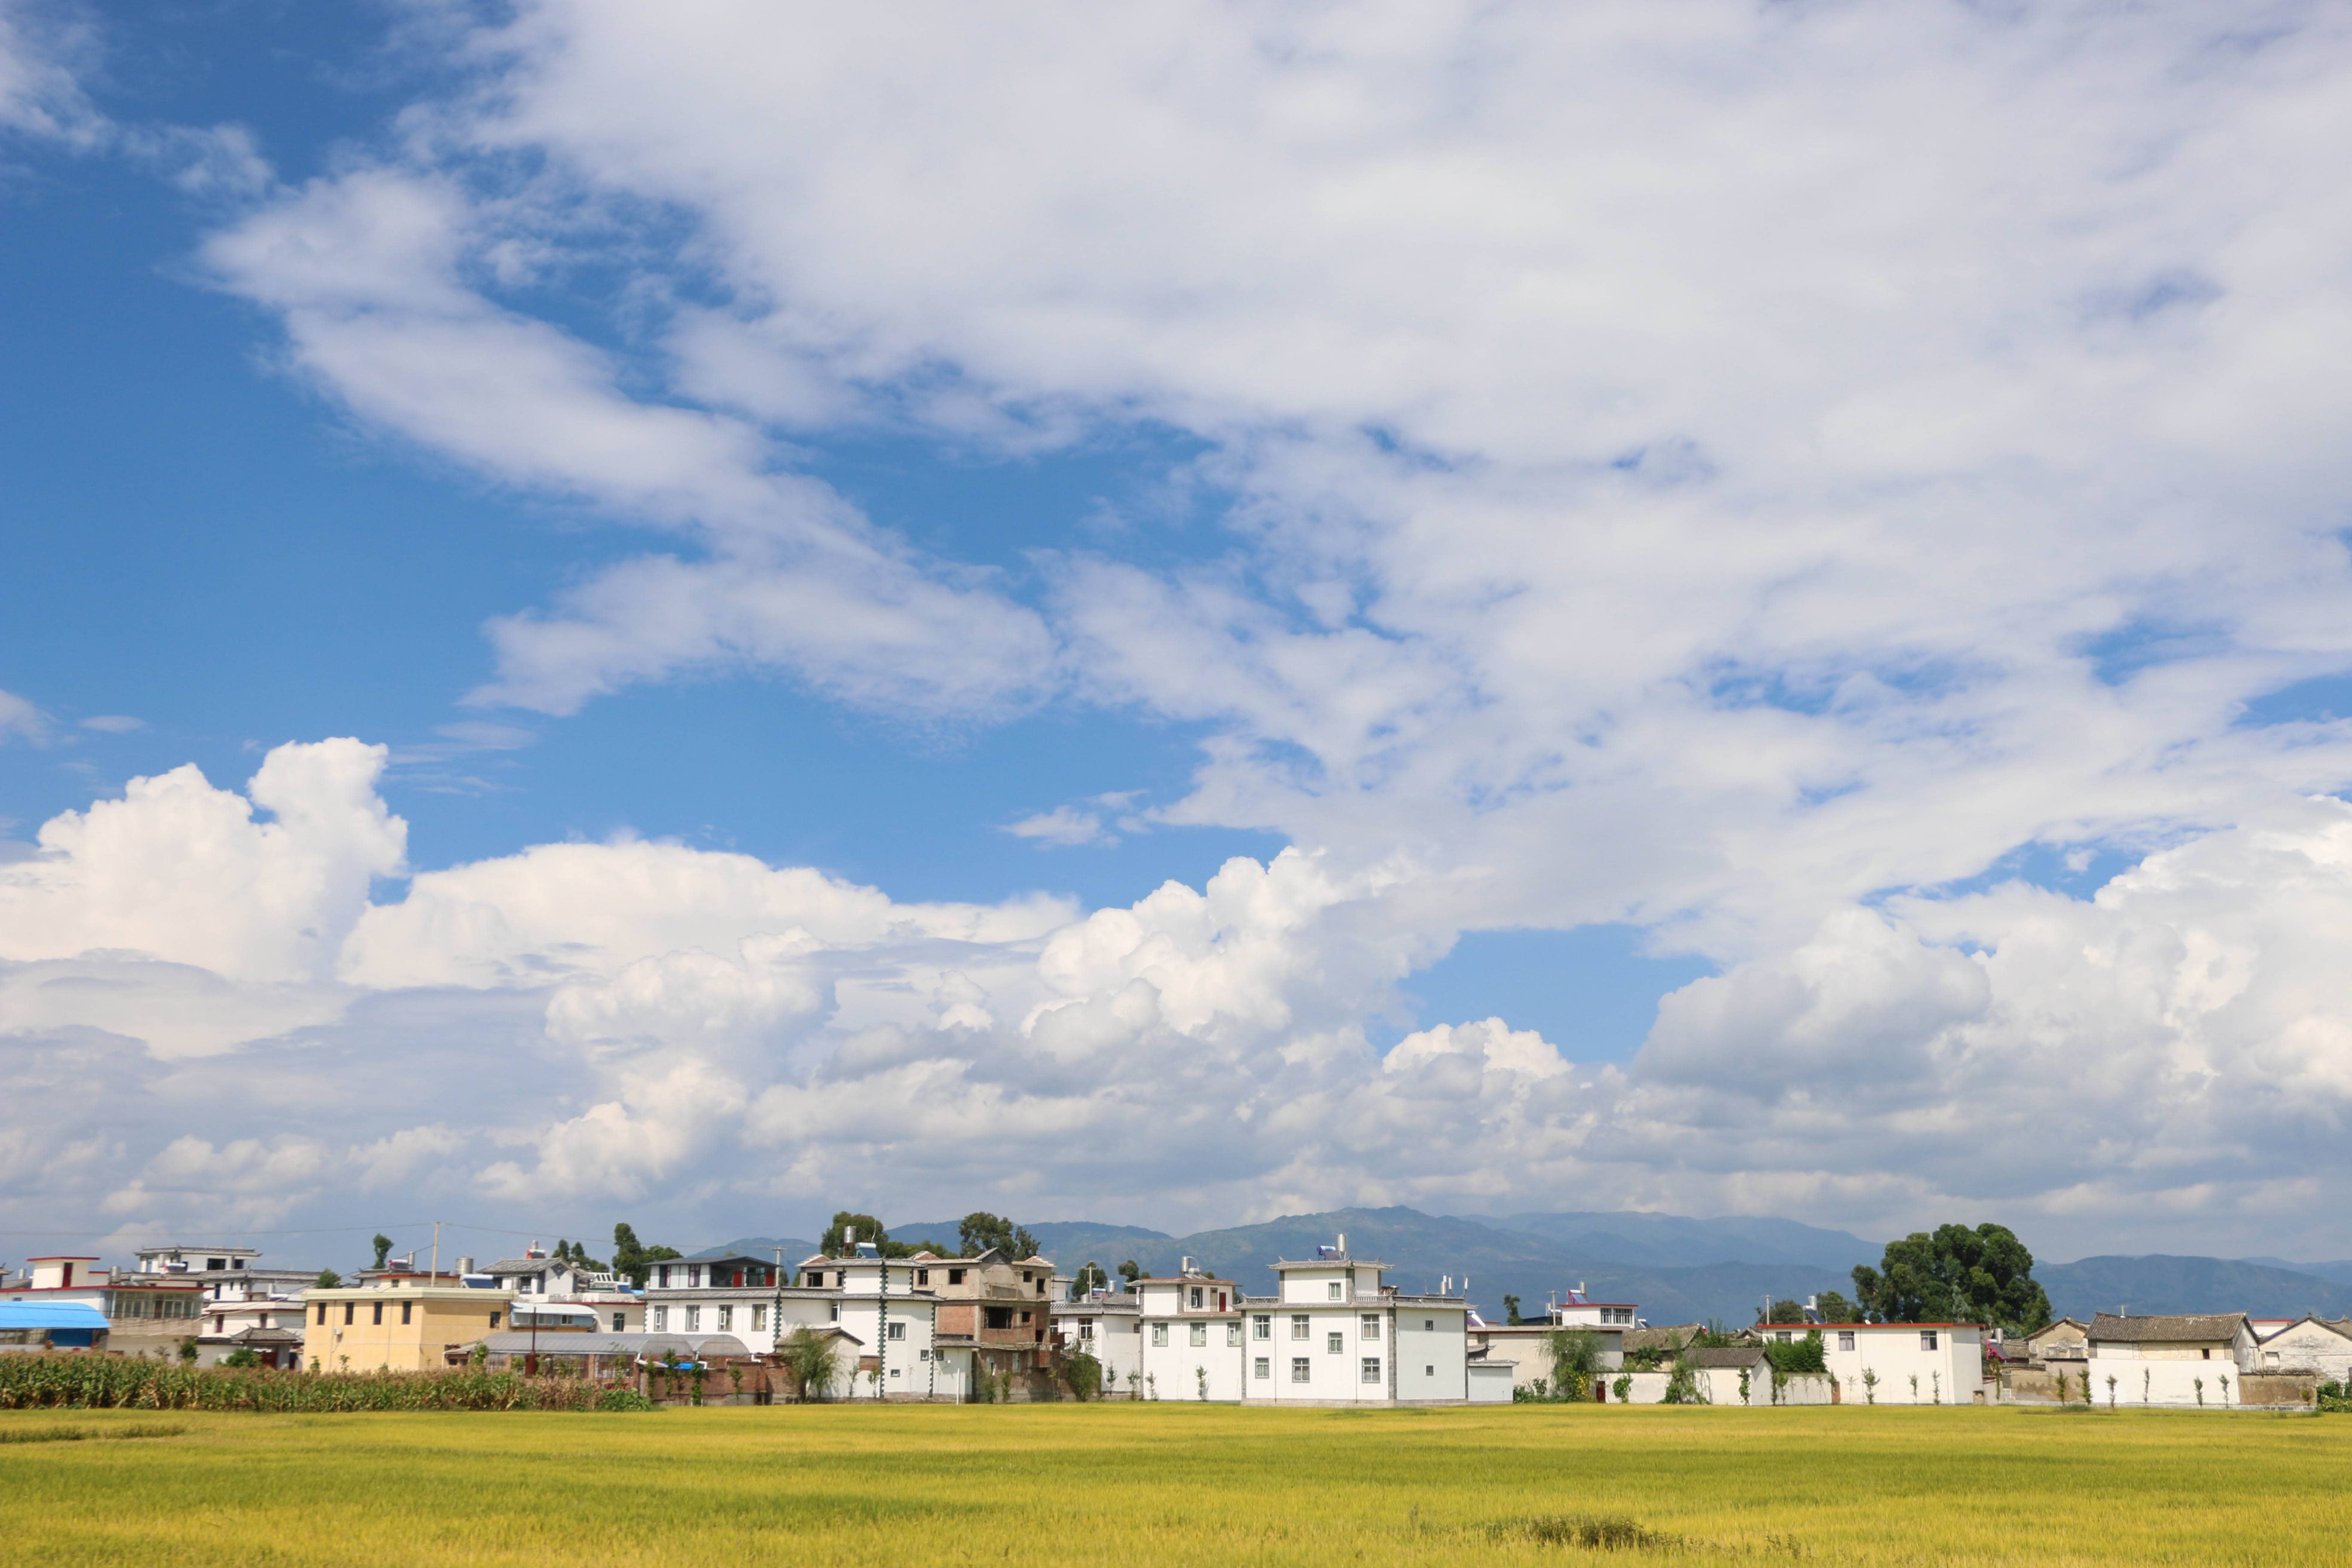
<point x="1083" y="1374"/>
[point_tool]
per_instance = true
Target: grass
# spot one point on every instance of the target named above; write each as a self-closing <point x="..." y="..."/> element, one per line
<point x="1178" y="1484"/>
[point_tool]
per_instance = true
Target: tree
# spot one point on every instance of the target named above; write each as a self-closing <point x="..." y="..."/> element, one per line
<point x="1131" y="1271"/>
<point x="329" y="1280"/>
<point x="1956" y="1275"/>
<point x="1575" y="1356"/>
<point x="1090" y="1277"/>
<point x="1798" y="1355"/>
<point x="1511" y="1311"/>
<point x="1835" y="1308"/>
<point x="981" y="1230"/>
<point x="807" y="1358"/>
<point x="632" y="1260"/>
<point x="842" y="1236"/>
<point x="1786" y="1312"/>
<point x="383" y="1248"/>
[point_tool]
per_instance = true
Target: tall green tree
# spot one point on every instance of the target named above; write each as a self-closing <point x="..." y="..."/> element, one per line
<point x="1090" y="1277"/>
<point x="1131" y="1271"/>
<point x="1785" y="1311"/>
<point x="632" y="1260"/>
<point x="847" y="1229"/>
<point x="383" y="1248"/>
<point x="982" y="1230"/>
<point x="1835" y="1308"/>
<point x="1511" y="1311"/>
<point x="1955" y="1275"/>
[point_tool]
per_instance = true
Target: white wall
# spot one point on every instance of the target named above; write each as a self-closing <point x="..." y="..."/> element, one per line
<point x="1173" y="1371"/>
<point x="1951" y="1373"/>
<point x="2150" y="1381"/>
<point x="2305" y="1347"/>
<point x="1490" y="1384"/>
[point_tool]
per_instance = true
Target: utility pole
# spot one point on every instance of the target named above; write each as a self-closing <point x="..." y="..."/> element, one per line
<point x="436" y="1252"/>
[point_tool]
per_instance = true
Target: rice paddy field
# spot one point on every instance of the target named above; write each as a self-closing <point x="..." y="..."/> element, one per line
<point x="1174" y="1484"/>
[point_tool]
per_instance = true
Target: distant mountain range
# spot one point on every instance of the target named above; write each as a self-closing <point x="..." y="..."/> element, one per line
<point x="1673" y="1269"/>
<point x="2162" y="1284"/>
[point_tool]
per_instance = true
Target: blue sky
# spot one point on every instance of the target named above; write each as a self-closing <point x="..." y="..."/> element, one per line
<point x="687" y="480"/>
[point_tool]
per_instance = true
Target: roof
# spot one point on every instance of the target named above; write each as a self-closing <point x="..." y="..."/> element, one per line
<point x="45" y="1314"/>
<point x="2344" y="1328"/>
<point x="1672" y="1337"/>
<point x="1817" y="1328"/>
<point x="531" y="1265"/>
<point x="2167" y="1330"/>
<point x="2051" y="1328"/>
<point x="1280" y="1264"/>
<point x="1726" y="1356"/>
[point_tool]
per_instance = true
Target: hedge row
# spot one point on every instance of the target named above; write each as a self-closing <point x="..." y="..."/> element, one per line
<point x="112" y="1382"/>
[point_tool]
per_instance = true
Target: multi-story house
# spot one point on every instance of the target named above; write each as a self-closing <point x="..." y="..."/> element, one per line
<point x="1527" y="1348"/>
<point x="397" y="1321"/>
<point x="1000" y="1309"/>
<point x="145" y="1314"/>
<point x="225" y="1273"/>
<point x="895" y="1321"/>
<point x="738" y="1295"/>
<point x="558" y="1294"/>
<point x="1192" y="1339"/>
<point x="1334" y="1334"/>
<point x="1896" y="1363"/>
<point x="1106" y="1325"/>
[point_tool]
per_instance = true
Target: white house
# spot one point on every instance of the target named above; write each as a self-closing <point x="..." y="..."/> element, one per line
<point x="1191" y="1336"/>
<point x="1334" y="1334"/>
<point x="1896" y="1363"/>
<point x="2308" y="1344"/>
<point x="2181" y="1360"/>
<point x="1579" y="1312"/>
<point x="558" y="1293"/>
<point x="904" y="1356"/>
<point x="1526" y="1348"/>
<point x="1106" y="1325"/>
<point x="146" y="1314"/>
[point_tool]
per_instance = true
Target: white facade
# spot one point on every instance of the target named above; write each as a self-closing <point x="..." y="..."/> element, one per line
<point x="895" y="1326"/>
<point x="1915" y="1363"/>
<point x="1526" y="1348"/>
<point x="2310" y="1344"/>
<point x="1109" y="1328"/>
<point x="1190" y="1338"/>
<point x="1333" y="1335"/>
<point x="753" y="1317"/>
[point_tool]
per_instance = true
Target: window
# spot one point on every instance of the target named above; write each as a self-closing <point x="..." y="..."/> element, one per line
<point x="1025" y="1317"/>
<point x="694" y="1319"/>
<point x="922" y="1277"/>
<point x="494" y="1320"/>
<point x="620" y="1322"/>
<point x="694" y="1275"/>
<point x="1371" y="1372"/>
<point x="1200" y="1335"/>
<point x="726" y="1318"/>
<point x="1025" y="1276"/>
<point x="955" y="1276"/>
<point x="1000" y="1316"/>
<point x="1234" y="1333"/>
<point x="1785" y="1338"/>
<point x="1196" y="1296"/>
<point x="216" y="1263"/>
<point x="759" y="1320"/>
<point x="1336" y="1290"/>
<point x="1301" y="1370"/>
<point x="1263" y="1368"/>
<point x="661" y="1320"/>
<point x="404" y="1307"/>
<point x="220" y="1323"/>
<point x="1298" y="1326"/>
<point x="2207" y="1352"/>
<point x="661" y="1276"/>
<point x="1429" y="1371"/>
<point x="923" y="1355"/>
<point x="1041" y="1286"/>
<point x="1429" y="1325"/>
<point x="1371" y="1325"/>
<point x="1334" y="1343"/>
<point x="1261" y="1326"/>
<point x="323" y="1314"/>
<point x="898" y="1332"/>
<point x="1846" y="1339"/>
<point x="1085" y="1328"/>
<point x="376" y="1312"/>
<point x="1159" y="1333"/>
<point x="1927" y="1339"/>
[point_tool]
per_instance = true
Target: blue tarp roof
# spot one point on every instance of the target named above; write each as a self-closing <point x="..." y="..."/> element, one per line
<point x="50" y="1315"/>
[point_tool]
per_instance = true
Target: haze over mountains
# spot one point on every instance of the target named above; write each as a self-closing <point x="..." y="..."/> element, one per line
<point x="1675" y="1268"/>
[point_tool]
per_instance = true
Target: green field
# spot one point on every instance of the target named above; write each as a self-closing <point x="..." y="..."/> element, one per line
<point x="1172" y="1484"/>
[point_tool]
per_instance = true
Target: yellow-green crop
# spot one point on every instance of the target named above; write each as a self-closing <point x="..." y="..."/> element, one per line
<point x="1173" y="1483"/>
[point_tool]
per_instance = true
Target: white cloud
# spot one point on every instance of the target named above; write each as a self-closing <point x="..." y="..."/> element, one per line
<point x="1065" y="824"/>
<point x="39" y="95"/>
<point x="19" y="720"/>
<point x="114" y="723"/>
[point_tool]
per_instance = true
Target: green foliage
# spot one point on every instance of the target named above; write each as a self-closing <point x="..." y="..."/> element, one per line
<point x="1593" y="1532"/>
<point x="1835" y="1309"/>
<point x="576" y="1253"/>
<point x="1622" y="1388"/>
<point x="188" y="1351"/>
<point x="383" y="1248"/>
<point x="807" y="1358"/>
<point x="1090" y="1277"/>
<point x="1682" y="1386"/>
<point x="1511" y="1311"/>
<point x="1575" y="1356"/>
<point x="1131" y="1271"/>
<point x="242" y="1356"/>
<point x="1786" y="1312"/>
<point x="981" y="1230"/>
<point x="110" y="1382"/>
<point x="633" y="1260"/>
<point x="329" y="1280"/>
<point x="1956" y="1275"/>
<point x="1797" y="1355"/>
<point x="615" y="1400"/>
<point x="1082" y="1374"/>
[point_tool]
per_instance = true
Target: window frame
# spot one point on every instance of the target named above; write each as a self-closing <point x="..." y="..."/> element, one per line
<point x="1371" y="1371"/>
<point x="1302" y="1369"/>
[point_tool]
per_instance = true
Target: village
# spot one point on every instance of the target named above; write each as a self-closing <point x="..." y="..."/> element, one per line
<point x="730" y="1327"/>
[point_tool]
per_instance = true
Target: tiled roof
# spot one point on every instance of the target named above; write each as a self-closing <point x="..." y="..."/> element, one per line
<point x="1731" y="1356"/>
<point x="2177" y="1330"/>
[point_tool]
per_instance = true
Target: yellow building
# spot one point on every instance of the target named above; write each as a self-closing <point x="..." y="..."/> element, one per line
<point x="407" y="1322"/>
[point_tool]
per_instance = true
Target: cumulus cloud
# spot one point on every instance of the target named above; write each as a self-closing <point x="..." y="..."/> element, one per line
<point x="39" y="95"/>
<point x="20" y="721"/>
